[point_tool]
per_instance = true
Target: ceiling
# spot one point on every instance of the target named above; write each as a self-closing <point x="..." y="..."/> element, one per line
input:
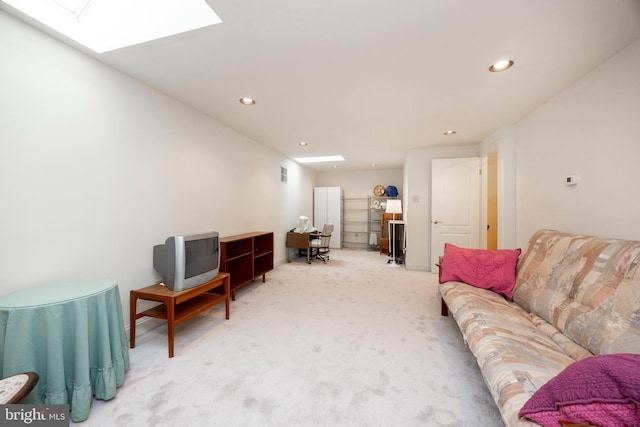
<point x="372" y="79"/>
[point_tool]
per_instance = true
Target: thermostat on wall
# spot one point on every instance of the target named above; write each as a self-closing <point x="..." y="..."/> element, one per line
<point x="571" y="180"/>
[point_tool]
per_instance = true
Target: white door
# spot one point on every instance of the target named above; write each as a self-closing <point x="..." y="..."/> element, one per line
<point x="455" y="204"/>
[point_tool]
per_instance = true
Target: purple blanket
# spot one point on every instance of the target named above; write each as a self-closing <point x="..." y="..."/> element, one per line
<point x="601" y="390"/>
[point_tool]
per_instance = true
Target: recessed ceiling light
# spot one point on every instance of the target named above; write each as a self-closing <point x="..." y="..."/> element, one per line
<point x="505" y="64"/>
<point x="373" y="164"/>
<point x="247" y="101"/>
<point x="92" y="22"/>
<point x="335" y="166"/>
<point x="319" y="159"/>
<point x="449" y="132"/>
<point x="303" y="143"/>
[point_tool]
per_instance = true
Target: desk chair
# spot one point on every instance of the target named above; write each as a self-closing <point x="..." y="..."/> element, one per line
<point x="16" y="387"/>
<point x="321" y="244"/>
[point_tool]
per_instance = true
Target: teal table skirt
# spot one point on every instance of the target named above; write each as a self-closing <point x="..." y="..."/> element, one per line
<point x="72" y="335"/>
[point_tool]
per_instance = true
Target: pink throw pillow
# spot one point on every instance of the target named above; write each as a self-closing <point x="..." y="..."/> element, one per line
<point x="600" y="390"/>
<point x="483" y="268"/>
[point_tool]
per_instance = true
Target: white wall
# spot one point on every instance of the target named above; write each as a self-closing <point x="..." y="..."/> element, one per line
<point x="504" y="142"/>
<point x="591" y="129"/>
<point x="96" y="168"/>
<point x="357" y="185"/>
<point x="361" y="183"/>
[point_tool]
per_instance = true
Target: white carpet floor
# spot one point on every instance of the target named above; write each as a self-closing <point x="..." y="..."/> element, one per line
<point x="352" y="342"/>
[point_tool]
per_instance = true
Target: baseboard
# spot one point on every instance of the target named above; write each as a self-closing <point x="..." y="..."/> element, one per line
<point x="418" y="267"/>
<point x="144" y="325"/>
<point x="279" y="262"/>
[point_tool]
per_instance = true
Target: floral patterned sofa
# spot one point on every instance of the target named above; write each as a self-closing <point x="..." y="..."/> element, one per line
<point x="574" y="297"/>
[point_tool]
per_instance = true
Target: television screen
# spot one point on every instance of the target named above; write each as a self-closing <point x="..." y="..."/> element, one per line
<point x="200" y="256"/>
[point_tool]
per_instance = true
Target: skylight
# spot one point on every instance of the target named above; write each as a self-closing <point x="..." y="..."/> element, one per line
<point x="104" y="25"/>
<point x="319" y="159"/>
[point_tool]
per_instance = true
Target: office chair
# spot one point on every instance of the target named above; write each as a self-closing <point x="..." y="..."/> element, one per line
<point x="321" y="244"/>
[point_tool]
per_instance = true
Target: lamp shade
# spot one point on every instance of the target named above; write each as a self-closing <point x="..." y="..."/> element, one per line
<point x="394" y="206"/>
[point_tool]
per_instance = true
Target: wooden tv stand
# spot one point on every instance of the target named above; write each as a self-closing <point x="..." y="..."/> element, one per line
<point x="178" y="306"/>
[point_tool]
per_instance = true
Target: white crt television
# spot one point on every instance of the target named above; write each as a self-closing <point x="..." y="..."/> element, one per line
<point x="189" y="260"/>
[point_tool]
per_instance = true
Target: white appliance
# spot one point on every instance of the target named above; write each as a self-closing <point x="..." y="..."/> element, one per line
<point x="327" y="208"/>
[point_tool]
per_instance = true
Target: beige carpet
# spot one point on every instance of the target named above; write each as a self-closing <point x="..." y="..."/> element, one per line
<point x="352" y="342"/>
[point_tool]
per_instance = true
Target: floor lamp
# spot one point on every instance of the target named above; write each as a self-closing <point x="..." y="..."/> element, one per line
<point x="394" y="206"/>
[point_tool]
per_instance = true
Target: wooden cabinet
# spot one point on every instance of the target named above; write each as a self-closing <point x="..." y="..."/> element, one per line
<point x="384" y="231"/>
<point x="246" y="257"/>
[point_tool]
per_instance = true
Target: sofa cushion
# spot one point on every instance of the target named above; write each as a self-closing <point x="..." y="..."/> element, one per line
<point x="488" y="269"/>
<point x="518" y="352"/>
<point x="599" y="390"/>
<point x="586" y="287"/>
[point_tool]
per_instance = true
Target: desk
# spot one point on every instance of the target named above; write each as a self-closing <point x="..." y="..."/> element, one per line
<point x="72" y="335"/>
<point x="178" y="306"/>
<point x="299" y="241"/>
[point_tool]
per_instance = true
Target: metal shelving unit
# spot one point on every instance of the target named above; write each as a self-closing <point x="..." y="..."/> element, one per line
<point x="354" y="222"/>
<point x="362" y="221"/>
<point x="374" y="220"/>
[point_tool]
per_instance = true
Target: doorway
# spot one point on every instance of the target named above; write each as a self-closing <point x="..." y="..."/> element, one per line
<point x="492" y="199"/>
